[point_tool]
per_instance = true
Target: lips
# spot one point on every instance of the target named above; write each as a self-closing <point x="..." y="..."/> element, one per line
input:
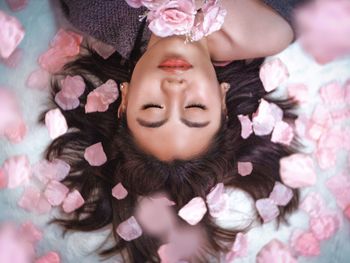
<point x="175" y="64"/>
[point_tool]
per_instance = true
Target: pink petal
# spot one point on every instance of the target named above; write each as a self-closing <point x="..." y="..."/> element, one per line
<point x="100" y="98"/>
<point x="245" y="168"/>
<point x="17" y="5"/>
<point x="30" y="232"/>
<point x="18" y="171"/>
<point x="263" y="119"/>
<point x="16" y="131"/>
<point x="298" y="91"/>
<point x="276" y="112"/>
<point x="313" y="204"/>
<point x="103" y="49"/>
<point x="347" y="212"/>
<point x="246" y="125"/>
<point x="73" y="86"/>
<point x="281" y="194"/>
<point x="333" y="138"/>
<point x="320" y="121"/>
<point x="273" y="73"/>
<point x="119" y="191"/>
<point x="66" y="103"/>
<point x="168" y="253"/>
<point x="56" y="192"/>
<point x="29" y="199"/>
<point x="297" y="170"/>
<point x="217" y="200"/>
<point x="326" y="158"/>
<point x="347" y="91"/>
<point x="333" y="93"/>
<point x="55" y="123"/>
<point x="129" y="229"/>
<point x="239" y="248"/>
<point x="340" y="187"/>
<point x="43" y="206"/>
<point x="267" y="209"/>
<point x="282" y="133"/>
<point x="14" y="59"/>
<point x="73" y="201"/>
<point x="55" y="170"/>
<point x="3" y="179"/>
<point x="38" y="79"/>
<point x="67" y="40"/>
<point x="50" y="257"/>
<point x="324" y="226"/>
<point x="95" y="155"/>
<point x="193" y="211"/>
<point x="11" y="34"/>
<point x="305" y="243"/>
<point x="275" y="252"/>
<point x="53" y="60"/>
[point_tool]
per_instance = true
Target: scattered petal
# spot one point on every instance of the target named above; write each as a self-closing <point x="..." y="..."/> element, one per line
<point x="30" y="232"/>
<point x="305" y="243"/>
<point x="298" y="91"/>
<point x="73" y="86"/>
<point x="193" y="211"/>
<point x="275" y="252"/>
<point x="119" y="191"/>
<point x="95" y="155"/>
<point x="297" y="170"/>
<point x="56" y="192"/>
<point x="50" y="257"/>
<point x="282" y="133"/>
<point x="267" y="209"/>
<point x="73" y="201"/>
<point x="326" y="157"/>
<point x="55" y="123"/>
<point x="17" y="5"/>
<point x="263" y="119"/>
<point x="324" y="226"/>
<point x="333" y="93"/>
<point x="239" y="248"/>
<point x="103" y="49"/>
<point x="245" y="168"/>
<point x="129" y="229"/>
<point x="273" y="73"/>
<point x="66" y="103"/>
<point x="246" y="125"/>
<point x="313" y="204"/>
<point x="217" y="200"/>
<point x="17" y="170"/>
<point x="3" y="179"/>
<point x="38" y="79"/>
<point x="281" y="194"/>
<point x="340" y="187"/>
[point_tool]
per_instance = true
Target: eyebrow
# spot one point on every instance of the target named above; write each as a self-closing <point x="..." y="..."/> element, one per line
<point x="161" y="123"/>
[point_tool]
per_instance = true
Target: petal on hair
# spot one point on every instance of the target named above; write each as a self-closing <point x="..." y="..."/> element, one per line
<point x="103" y="49"/>
<point x="43" y="206"/>
<point x="273" y="73"/>
<point x="275" y="252"/>
<point x="333" y="93"/>
<point x="298" y="91"/>
<point x="56" y="192"/>
<point x="282" y="133"/>
<point x="95" y="154"/>
<point x="281" y="194"/>
<point x="134" y="3"/>
<point x="73" y="86"/>
<point x="53" y="60"/>
<point x="263" y="119"/>
<point x="18" y="171"/>
<point x="129" y="229"/>
<point x="66" y="103"/>
<point x="246" y="126"/>
<point x="193" y="211"/>
<point x="168" y="253"/>
<point x="55" y="123"/>
<point x="119" y="191"/>
<point x="73" y="201"/>
<point x="11" y="34"/>
<point x="305" y="243"/>
<point x="100" y="98"/>
<point x="29" y="199"/>
<point x="340" y="187"/>
<point x="162" y="200"/>
<point x="217" y="200"/>
<point x="17" y="5"/>
<point x="297" y="170"/>
<point x="245" y="168"/>
<point x="276" y="112"/>
<point x="267" y="209"/>
<point x="30" y="232"/>
<point x="50" y="257"/>
<point x="239" y="248"/>
<point x="38" y="79"/>
<point x="324" y="226"/>
<point x="68" y="41"/>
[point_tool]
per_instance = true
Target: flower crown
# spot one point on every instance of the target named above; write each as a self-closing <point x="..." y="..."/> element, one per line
<point x="180" y="17"/>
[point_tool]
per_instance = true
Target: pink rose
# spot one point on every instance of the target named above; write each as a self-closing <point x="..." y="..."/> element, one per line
<point x="172" y="18"/>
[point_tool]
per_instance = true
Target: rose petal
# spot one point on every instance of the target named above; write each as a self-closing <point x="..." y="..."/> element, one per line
<point x="282" y="133"/>
<point x="55" y="170"/>
<point x="326" y="158"/>
<point x="298" y="91"/>
<point x="297" y="170"/>
<point x="11" y="34"/>
<point x="347" y="212"/>
<point x="239" y="248"/>
<point x="324" y="226"/>
<point x="281" y="194"/>
<point x="340" y="187"/>
<point x="73" y="201"/>
<point x="267" y="209"/>
<point x="50" y="257"/>
<point x="38" y="79"/>
<point x="55" y="123"/>
<point x="263" y="119"/>
<point x="333" y="93"/>
<point x="95" y="155"/>
<point x="56" y="192"/>
<point x="73" y="86"/>
<point x="16" y="131"/>
<point x="217" y="200"/>
<point x="14" y="59"/>
<point x="273" y="73"/>
<point x="3" y="179"/>
<point x="30" y="232"/>
<point x="17" y="5"/>
<point x="246" y="126"/>
<point x="275" y="252"/>
<point x="313" y="204"/>
<point x="103" y="49"/>
<point x="245" y="168"/>
<point x="66" y="103"/>
<point x="193" y="211"/>
<point x="305" y="243"/>
<point x="129" y="229"/>
<point x="17" y="170"/>
<point x="119" y="191"/>
<point x="29" y="199"/>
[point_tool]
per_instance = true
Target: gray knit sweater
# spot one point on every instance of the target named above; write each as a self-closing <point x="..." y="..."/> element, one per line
<point x="116" y="23"/>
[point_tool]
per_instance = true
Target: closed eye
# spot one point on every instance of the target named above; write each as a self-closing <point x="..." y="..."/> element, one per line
<point x="151" y="105"/>
<point x="200" y="106"/>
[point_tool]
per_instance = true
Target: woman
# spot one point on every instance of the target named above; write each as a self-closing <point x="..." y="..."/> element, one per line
<point x="177" y="131"/>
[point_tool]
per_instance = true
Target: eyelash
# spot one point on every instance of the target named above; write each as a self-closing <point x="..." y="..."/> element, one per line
<point x="150" y="105"/>
<point x="195" y="105"/>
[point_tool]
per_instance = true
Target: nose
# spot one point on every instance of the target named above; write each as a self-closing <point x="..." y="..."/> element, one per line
<point x="173" y="85"/>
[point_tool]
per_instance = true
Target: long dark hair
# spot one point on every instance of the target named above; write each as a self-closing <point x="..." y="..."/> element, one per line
<point x="143" y="174"/>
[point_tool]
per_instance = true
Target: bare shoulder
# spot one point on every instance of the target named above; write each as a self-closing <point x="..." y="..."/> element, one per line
<point x="251" y="29"/>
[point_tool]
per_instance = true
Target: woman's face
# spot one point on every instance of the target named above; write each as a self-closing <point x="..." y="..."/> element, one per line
<point x="174" y="102"/>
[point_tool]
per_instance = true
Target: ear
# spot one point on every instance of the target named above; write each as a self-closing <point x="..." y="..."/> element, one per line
<point x="124" y="87"/>
<point x="224" y="87"/>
